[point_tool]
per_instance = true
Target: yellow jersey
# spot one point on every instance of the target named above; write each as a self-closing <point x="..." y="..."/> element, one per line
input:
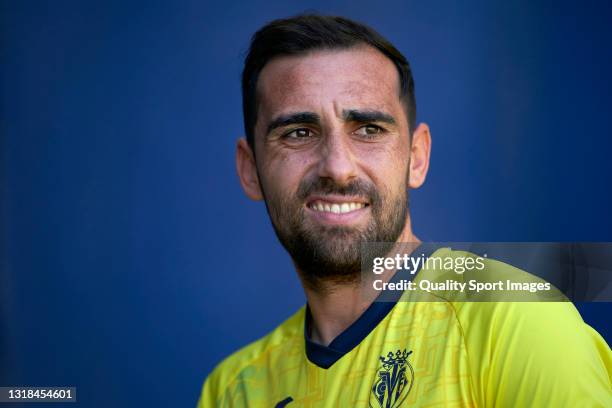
<point x="440" y="353"/>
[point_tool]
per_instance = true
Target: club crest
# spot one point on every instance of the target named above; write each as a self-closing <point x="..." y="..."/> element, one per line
<point x="394" y="380"/>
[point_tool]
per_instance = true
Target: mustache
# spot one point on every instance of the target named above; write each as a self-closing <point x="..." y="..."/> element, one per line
<point x="322" y="186"/>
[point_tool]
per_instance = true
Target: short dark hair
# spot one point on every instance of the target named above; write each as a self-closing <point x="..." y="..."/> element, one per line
<point x="307" y="32"/>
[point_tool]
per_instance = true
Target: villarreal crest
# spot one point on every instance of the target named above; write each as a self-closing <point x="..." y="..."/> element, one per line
<point x="393" y="382"/>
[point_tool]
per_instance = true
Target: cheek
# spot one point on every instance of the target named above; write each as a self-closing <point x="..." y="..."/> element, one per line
<point x="387" y="166"/>
<point x="282" y="175"/>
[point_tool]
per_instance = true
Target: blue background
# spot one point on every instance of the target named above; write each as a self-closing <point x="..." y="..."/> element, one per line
<point x="131" y="262"/>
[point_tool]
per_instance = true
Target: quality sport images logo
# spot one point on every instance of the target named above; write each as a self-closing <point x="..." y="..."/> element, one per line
<point x="394" y="379"/>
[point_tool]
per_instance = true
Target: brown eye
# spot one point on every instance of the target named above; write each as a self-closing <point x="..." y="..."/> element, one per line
<point x="369" y="130"/>
<point x="299" y="133"/>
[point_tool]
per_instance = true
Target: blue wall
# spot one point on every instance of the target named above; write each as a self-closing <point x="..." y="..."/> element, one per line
<point x="131" y="262"/>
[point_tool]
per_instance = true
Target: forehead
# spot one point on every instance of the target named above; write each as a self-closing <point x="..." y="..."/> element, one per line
<point x="357" y="77"/>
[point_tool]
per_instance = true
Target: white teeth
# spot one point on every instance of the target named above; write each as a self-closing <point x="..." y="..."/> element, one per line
<point x="340" y="208"/>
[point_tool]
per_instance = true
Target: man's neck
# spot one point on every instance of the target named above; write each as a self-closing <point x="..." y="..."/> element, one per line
<point x="334" y="311"/>
<point x="334" y="307"/>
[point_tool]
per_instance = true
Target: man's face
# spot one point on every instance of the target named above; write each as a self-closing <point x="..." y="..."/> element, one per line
<point x="332" y="152"/>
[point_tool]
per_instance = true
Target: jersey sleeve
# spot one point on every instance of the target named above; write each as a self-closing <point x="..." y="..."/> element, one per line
<point x="224" y="387"/>
<point x="209" y="393"/>
<point x="236" y="381"/>
<point x="538" y="354"/>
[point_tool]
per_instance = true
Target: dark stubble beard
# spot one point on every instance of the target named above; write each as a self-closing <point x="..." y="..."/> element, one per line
<point x="332" y="254"/>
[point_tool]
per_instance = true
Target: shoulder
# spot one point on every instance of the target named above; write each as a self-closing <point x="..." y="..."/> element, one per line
<point x="541" y="352"/>
<point x="532" y="350"/>
<point x="512" y="320"/>
<point x="252" y="355"/>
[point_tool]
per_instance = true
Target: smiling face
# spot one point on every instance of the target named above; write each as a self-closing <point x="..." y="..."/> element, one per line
<point x="333" y="157"/>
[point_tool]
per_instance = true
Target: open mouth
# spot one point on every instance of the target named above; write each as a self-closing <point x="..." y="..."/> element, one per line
<point x="336" y="209"/>
<point x="343" y="207"/>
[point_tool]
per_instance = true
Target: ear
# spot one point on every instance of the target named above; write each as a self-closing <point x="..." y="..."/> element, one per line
<point x="419" y="156"/>
<point x="247" y="170"/>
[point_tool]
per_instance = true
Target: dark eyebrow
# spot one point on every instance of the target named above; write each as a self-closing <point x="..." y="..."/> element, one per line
<point x="368" y="116"/>
<point x="293" y="119"/>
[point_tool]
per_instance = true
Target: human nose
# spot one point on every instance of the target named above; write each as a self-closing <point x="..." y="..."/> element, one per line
<point x="337" y="160"/>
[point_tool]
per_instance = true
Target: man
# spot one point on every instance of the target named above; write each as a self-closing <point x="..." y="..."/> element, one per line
<point x="332" y="146"/>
